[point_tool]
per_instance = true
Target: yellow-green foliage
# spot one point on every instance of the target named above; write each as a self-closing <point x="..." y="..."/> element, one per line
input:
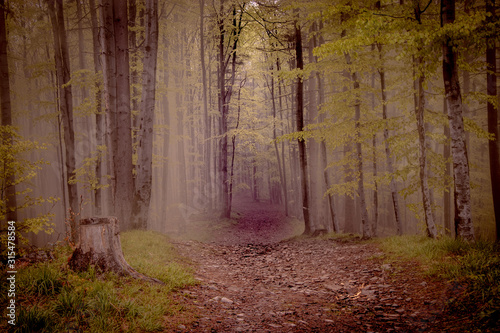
<point x="16" y="169"/>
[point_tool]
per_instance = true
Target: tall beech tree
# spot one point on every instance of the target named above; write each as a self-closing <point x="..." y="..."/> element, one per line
<point x="299" y="119"/>
<point x="491" y="83"/>
<point x="8" y="188"/>
<point x="230" y="27"/>
<point x="65" y="94"/>
<point x="117" y="105"/>
<point x="144" y="168"/>
<point x="463" y="217"/>
<point x="420" y="105"/>
<point x="123" y="158"/>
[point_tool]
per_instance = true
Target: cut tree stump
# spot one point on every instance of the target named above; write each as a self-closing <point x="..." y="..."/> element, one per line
<point x="100" y="246"/>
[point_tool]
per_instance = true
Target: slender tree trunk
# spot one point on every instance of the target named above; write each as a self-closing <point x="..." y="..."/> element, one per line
<point x="123" y="140"/>
<point x="206" y="118"/>
<point x="8" y="189"/>
<point x="463" y="217"/>
<point x="366" y="226"/>
<point x="493" y="145"/>
<point x="66" y="106"/>
<point x="390" y="167"/>
<point x="99" y="119"/>
<point x="276" y="150"/>
<point x="374" y="157"/>
<point x="365" y="222"/>
<point x="299" y="118"/>
<point x="424" y="169"/>
<point x="447" y="172"/>
<point x="108" y="62"/>
<point x="317" y="201"/>
<point x="144" y="168"/>
<point x="231" y="178"/>
<point x="223" y="110"/>
<point x="284" y="183"/>
<point x="134" y="58"/>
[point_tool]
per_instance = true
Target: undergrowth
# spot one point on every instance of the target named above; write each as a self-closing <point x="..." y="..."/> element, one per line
<point x="52" y="298"/>
<point x="473" y="268"/>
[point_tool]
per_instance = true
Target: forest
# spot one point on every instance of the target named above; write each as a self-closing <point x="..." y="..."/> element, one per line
<point x="249" y="166"/>
<point x="371" y="117"/>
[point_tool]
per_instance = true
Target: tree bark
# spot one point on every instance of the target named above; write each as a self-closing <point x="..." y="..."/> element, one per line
<point x="493" y="145"/>
<point x="108" y="60"/>
<point x="223" y="110"/>
<point x="100" y="246"/>
<point x="122" y="160"/>
<point x="317" y="202"/>
<point x="390" y="167"/>
<point x="284" y="183"/>
<point x="206" y="119"/>
<point x="99" y="119"/>
<point x="424" y="172"/>
<point x="144" y="168"/>
<point x="447" y="172"/>
<point x="463" y="217"/>
<point x="66" y="106"/>
<point x="9" y="188"/>
<point x="299" y="118"/>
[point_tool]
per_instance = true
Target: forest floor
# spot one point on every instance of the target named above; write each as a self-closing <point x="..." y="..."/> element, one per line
<point x="257" y="277"/>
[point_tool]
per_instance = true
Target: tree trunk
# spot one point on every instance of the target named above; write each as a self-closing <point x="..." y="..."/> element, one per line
<point x="8" y="189"/>
<point x="223" y="110"/>
<point x="206" y="119"/>
<point x="424" y="169"/>
<point x="493" y="145"/>
<point x="284" y="183"/>
<point x="447" y="172"/>
<point x="100" y="246"/>
<point x="390" y="167"/>
<point x="99" y="119"/>
<point x="299" y="117"/>
<point x="231" y="177"/>
<point x="123" y="140"/>
<point x="144" y="168"/>
<point x="317" y="202"/>
<point x="366" y="226"/>
<point x="66" y="106"/>
<point x="463" y="217"/>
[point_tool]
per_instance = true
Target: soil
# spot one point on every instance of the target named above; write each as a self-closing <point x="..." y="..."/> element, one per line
<point x="256" y="277"/>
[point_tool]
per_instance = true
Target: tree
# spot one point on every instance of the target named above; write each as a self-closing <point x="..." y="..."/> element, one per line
<point x="420" y="104"/>
<point x="494" y="144"/>
<point x="65" y="105"/>
<point x="229" y="35"/>
<point x="299" y="119"/>
<point x="390" y="168"/>
<point x="8" y="189"/>
<point x="144" y="169"/>
<point x="115" y="62"/>
<point x="463" y="218"/>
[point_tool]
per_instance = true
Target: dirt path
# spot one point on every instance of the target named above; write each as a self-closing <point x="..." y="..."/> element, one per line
<point x="253" y="282"/>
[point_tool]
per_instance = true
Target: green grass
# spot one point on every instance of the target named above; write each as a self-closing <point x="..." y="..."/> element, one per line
<point x="53" y="298"/>
<point x="475" y="266"/>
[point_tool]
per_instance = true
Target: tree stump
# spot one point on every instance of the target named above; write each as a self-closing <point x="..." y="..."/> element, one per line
<point x="100" y="246"/>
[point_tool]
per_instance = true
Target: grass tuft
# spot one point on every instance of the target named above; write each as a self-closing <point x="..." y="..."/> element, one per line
<point x="42" y="280"/>
<point x="34" y="319"/>
<point x="67" y="301"/>
<point x="151" y="254"/>
<point x="476" y="266"/>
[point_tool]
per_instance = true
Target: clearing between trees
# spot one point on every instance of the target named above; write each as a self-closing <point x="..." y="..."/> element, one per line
<point x="256" y="277"/>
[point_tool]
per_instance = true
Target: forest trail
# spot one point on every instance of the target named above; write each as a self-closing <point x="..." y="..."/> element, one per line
<point x="252" y="280"/>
